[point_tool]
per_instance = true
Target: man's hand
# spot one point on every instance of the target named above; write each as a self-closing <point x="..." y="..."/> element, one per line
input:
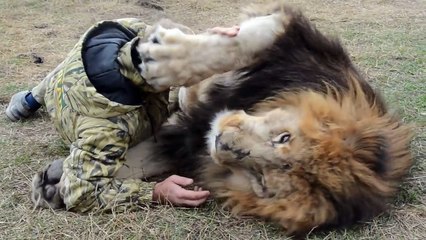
<point x="230" y="32"/>
<point x="171" y="191"/>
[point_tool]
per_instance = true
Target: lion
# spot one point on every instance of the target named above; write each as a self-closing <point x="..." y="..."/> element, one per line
<point x="286" y="128"/>
<point x="277" y="122"/>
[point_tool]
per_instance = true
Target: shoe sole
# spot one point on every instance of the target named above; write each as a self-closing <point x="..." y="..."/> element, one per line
<point x="10" y="115"/>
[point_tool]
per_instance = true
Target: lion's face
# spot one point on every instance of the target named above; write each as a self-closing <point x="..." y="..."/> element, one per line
<point x="302" y="139"/>
<point x="267" y="138"/>
<point x="259" y="146"/>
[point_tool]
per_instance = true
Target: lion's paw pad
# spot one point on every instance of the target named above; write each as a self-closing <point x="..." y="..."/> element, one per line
<point x="46" y="186"/>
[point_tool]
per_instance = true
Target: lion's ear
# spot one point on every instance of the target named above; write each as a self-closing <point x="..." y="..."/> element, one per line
<point x="383" y="148"/>
<point x="369" y="147"/>
<point x="360" y="152"/>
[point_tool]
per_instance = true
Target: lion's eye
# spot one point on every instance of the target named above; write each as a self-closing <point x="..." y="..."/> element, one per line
<point x="282" y="138"/>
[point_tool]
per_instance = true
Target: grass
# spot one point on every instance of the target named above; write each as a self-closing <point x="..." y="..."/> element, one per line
<point x="385" y="38"/>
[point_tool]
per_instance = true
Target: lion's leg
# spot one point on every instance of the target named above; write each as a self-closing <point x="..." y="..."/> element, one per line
<point x="190" y="96"/>
<point x="141" y="162"/>
<point x="172" y="58"/>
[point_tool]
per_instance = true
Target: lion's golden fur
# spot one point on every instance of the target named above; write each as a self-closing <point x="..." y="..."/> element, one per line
<point x="345" y="133"/>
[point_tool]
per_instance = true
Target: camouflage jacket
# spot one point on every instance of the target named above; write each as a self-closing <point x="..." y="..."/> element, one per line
<point x="100" y="105"/>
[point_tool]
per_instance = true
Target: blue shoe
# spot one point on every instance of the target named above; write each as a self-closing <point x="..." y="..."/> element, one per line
<point x="21" y="106"/>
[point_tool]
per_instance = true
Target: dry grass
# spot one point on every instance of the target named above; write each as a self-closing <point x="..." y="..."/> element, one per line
<point x="385" y="37"/>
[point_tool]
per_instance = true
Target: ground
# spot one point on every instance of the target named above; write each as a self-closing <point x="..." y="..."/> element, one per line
<point x="385" y="38"/>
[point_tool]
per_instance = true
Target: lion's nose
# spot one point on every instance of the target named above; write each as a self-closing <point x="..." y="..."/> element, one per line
<point x="222" y="146"/>
<point x="238" y="154"/>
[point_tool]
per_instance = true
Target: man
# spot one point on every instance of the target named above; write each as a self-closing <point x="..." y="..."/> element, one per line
<point x="100" y="105"/>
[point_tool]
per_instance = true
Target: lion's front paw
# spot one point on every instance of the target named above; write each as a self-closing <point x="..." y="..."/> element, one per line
<point x="166" y="58"/>
<point x="46" y="186"/>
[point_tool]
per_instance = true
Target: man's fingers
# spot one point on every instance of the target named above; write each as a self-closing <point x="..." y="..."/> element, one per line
<point x="181" y="181"/>
<point x="230" y="32"/>
<point x="193" y="203"/>
<point x="172" y="190"/>
<point x="193" y="195"/>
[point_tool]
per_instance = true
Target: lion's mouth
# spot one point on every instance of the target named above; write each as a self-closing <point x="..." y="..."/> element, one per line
<point x="217" y="141"/>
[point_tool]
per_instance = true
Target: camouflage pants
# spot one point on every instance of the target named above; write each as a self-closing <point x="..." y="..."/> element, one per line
<point x="98" y="141"/>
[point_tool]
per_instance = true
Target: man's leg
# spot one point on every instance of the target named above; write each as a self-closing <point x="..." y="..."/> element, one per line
<point x="88" y="175"/>
<point x="23" y="104"/>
